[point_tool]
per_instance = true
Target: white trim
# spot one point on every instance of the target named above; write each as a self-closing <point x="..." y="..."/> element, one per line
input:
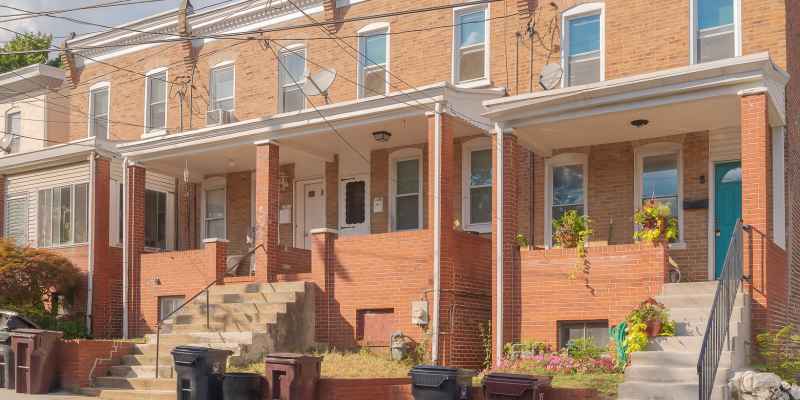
<point x="125" y="244"/>
<point x="341" y="183"/>
<point x="373" y="29"/>
<point x="660" y="149"/>
<point x="303" y="51"/>
<point x="562" y="160"/>
<point x="467" y="148"/>
<point x="147" y="87"/>
<point x="99" y="86"/>
<point x="437" y="229"/>
<point x="214" y="183"/>
<point x="487" y="33"/>
<point x="499" y="243"/>
<point x="347" y="3"/>
<point x="778" y="186"/>
<point x="693" y="31"/>
<point x="582" y="10"/>
<point x="406" y="154"/>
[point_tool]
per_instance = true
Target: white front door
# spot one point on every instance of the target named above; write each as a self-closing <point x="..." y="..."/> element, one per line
<point x="310" y="211"/>
<point x="354" y="205"/>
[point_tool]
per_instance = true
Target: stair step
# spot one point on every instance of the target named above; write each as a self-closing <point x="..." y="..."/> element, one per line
<point x="665" y="374"/>
<point x="198" y="338"/>
<point x="141" y="371"/>
<point x="114" y="382"/>
<point x="704" y="301"/>
<point x="125" y="394"/>
<point x="678" y="359"/>
<point x="224" y="316"/>
<point x="690" y="288"/>
<point x="198" y="309"/>
<point x="165" y="358"/>
<point x="263" y="297"/>
<point x="676" y="343"/>
<point x="257" y="287"/>
<point x="166" y="348"/>
<point x="664" y="391"/>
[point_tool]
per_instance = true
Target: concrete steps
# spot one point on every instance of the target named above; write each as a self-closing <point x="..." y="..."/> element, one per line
<point x="114" y="382"/>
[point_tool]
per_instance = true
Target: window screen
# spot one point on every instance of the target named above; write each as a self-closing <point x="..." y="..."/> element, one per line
<point x="584" y="50"/>
<point x="16" y="226"/>
<point x="355" y="202"/>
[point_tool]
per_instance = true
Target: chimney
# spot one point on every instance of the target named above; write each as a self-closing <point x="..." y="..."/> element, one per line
<point x="68" y="59"/>
<point x="329" y="7"/>
<point x="184" y="30"/>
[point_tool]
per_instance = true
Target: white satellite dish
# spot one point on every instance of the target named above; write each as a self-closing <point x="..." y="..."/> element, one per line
<point x="5" y="143"/>
<point x="317" y="84"/>
<point x="551" y="76"/>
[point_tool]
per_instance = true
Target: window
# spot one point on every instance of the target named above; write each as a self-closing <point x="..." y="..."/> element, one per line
<point x="715" y="30"/>
<point x="167" y="305"/>
<point x="14" y="128"/>
<point x="155" y="223"/>
<point x="583" y="36"/>
<point x="292" y="77"/>
<point x="63" y="215"/>
<point x="16" y="224"/>
<point x="355" y="202"/>
<point x="566" y="188"/>
<point x="595" y="330"/>
<point x="222" y="88"/>
<point x="98" y="112"/>
<point x="406" y="192"/>
<point x="215" y="213"/>
<point x="374" y="69"/>
<point x="659" y="177"/>
<point x="477" y="187"/>
<point x="156" y="113"/>
<point x="470" y="45"/>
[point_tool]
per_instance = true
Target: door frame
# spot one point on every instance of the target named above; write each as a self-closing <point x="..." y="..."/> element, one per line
<point x="367" y="201"/>
<point x="712" y="212"/>
<point x="299" y="193"/>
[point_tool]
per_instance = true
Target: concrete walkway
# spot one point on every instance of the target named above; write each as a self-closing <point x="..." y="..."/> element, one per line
<point x="11" y="395"/>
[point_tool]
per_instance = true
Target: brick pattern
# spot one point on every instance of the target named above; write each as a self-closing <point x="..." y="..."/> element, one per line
<point x="238" y="211"/>
<point x="332" y="196"/>
<point x="267" y="209"/>
<point x="792" y="156"/>
<point x="136" y="222"/>
<point x="80" y="361"/>
<point x="364" y="389"/>
<point x="620" y="277"/>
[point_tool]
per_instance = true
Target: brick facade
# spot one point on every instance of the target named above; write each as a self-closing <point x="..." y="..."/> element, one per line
<point x="267" y="209"/>
<point x="80" y="361"/>
<point x="792" y="156"/>
<point x="136" y="222"/>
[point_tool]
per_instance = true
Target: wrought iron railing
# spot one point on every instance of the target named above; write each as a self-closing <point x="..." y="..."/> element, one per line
<point x="716" y="340"/>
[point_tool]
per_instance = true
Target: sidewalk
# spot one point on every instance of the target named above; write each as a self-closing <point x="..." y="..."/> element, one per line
<point x="11" y="395"/>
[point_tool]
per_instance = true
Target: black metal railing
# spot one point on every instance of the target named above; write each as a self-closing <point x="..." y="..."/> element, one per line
<point x="716" y="336"/>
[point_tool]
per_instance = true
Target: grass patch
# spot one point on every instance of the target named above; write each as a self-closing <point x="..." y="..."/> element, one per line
<point x="606" y="384"/>
<point x="363" y="364"/>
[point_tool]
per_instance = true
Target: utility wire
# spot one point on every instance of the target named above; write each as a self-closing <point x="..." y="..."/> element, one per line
<point x="35" y="14"/>
<point x="44" y="140"/>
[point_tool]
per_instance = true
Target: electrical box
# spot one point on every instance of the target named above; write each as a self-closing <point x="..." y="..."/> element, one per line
<point x="419" y="313"/>
<point x="285" y="215"/>
<point x="377" y="205"/>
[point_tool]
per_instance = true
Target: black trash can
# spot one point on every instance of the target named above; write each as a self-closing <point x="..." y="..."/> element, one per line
<point x="430" y="382"/>
<point x="199" y="372"/>
<point x="242" y="386"/>
<point x="498" y="386"/>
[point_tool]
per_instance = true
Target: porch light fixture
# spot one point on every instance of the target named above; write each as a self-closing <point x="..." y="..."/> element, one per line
<point x="381" y="136"/>
<point x="639" y="123"/>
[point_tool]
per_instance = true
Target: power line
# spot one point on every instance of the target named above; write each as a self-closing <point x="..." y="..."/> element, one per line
<point x="34" y="14"/>
<point x="44" y="140"/>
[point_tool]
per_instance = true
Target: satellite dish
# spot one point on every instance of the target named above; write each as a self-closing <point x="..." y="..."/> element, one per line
<point x="551" y="76"/>
<point x="317" y="84"/>
<point x="5" y="143"/>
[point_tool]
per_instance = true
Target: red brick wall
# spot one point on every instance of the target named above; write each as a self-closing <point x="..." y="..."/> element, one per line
<point x="620" y="277"/>
<point x="177" y="273"/>
<point x="294" y="260"/>
<point x="364" y="389"/>
<point x="238" y="211"/>
<point x="792" y="156"/>
<point x="80" y="361"/>
<point x="267" y="209"/>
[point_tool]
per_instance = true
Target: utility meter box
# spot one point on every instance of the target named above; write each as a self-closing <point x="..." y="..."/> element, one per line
<point x="419" y="313"/>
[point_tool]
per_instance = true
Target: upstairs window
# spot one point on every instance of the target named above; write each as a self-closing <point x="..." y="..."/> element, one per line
<point x="373" y="72"/>
<point x="63" y="215"/>
<point x="583" y="39"/>
<point x="14" y="128"/>
<point x="470" y="45"/>
<point x="222" y="88"/>
<point x="292" y="77"/>
<point x="98" y="112"/>
<point x="715" y="30"/>
<point x="156" y="113"/>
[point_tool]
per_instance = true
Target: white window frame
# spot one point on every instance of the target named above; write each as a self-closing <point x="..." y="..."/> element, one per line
<point x="147" y="93"/>
<point x="582" y="10"/>
<point x="467" y="148"/>
<point x="15" y="141"/>
<point x="694" y="31"/>
<point x="73" y="205"/>
<point x="378" y="28"/>
<point x="213" y="99"/>
<point x="394" y="158"/>
<point x="660" y="149"/>
<point x="215" y="183"/>
<point x="90" y="128"/>
<point x="485" y="80"/>
<point x="295" y="48"/>
<point x="562" y="160"/>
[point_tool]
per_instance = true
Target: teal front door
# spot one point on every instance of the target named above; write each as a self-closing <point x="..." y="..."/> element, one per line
<point x="727" y="207"/>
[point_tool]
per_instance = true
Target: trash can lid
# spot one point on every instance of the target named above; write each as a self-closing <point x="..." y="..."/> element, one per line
<point x="513" y="377"/>
<point x="25" y="332"/>
<point x="290" y="358"/>
<point x="197" y="350"/>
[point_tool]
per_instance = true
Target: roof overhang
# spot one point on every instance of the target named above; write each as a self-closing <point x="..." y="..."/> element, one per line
<point x="694" y="84"/>
<point x="459" y="102"/>
<point x="53" y="156"/>
<point x="31" y="79"/>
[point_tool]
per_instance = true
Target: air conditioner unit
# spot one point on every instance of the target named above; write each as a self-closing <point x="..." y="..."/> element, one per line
<point x="218" y="117"/>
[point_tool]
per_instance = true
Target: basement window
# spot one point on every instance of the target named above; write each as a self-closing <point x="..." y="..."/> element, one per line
<point x="597" y="331"/>
<point x="167" y="305"/>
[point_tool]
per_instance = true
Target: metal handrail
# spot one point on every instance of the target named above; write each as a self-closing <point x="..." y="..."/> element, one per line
<point x="716" y="335"/>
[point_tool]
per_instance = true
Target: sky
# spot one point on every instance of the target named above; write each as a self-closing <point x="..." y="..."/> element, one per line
<point x="59" y="28"/>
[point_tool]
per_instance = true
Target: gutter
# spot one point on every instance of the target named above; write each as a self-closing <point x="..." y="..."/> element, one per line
<point x="125" y="251"/>
<point x="499" y="243"/>
<point x="437" y="230"/>
<point x="91" y="261"/>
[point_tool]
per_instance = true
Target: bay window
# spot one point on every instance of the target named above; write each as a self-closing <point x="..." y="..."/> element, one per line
<point x="63" y="215"/>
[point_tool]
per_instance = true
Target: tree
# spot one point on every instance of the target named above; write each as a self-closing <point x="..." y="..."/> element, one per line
<point x="24" y="42"/>
<point x="31" y="277"/>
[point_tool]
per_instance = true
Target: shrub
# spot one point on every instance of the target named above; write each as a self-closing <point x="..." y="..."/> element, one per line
<point x="31" y="277"/>
<point x="582" y="349"/>
<point x="779" y="352"/>
<point x="526" y="347"/>
<point x="558" y="363"/>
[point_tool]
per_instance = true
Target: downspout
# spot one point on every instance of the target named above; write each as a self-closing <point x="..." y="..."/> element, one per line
<point x="437" y="229"/>
<point x="92" y="205"/>
<point x="125" y="250"/>
<point x="499" y="242"/>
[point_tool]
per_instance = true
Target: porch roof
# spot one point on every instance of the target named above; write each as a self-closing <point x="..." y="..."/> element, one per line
<point x="686" y="99"/>
<point x="56" y="155"/>
<point x="33" y="78"/>
<point x="460" y="102"/>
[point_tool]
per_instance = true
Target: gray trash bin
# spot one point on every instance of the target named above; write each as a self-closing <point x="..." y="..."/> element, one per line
<point x="199" y="372"/>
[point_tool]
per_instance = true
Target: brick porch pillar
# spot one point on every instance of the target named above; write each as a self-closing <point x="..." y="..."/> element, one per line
<point x="504" y="333"/>
<point x="323" y="274"/>
<point x="216" y="258"/>
<point x="136" y="223"/>
<point x="267" y="208"/>
<point x="767" y="289"/>
<point x="106" y="273"/>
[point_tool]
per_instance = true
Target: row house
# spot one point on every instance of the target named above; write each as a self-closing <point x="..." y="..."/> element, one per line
<point x="396" y="154"/>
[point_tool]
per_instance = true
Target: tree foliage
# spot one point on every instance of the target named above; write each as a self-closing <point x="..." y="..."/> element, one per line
<point x="27" y="41"/>
<point x="30" y="277"/>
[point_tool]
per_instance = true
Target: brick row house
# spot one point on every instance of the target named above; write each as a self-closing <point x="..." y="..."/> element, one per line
<point x="391" y="154"/>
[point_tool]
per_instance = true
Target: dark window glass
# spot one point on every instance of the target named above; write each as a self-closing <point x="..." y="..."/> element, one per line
<point x="596" y="330"/>
<point x="355" y="206"/>
<point x="155" y="210"/>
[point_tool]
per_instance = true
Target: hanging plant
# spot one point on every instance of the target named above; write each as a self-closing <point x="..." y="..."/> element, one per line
<point x="572" y="230"/>
<point x="657" y="225"/>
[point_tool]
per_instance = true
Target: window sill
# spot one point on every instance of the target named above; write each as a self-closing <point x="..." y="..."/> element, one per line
<point x="476" y="84"/>
<point x="63" y="246"/>
<point x="678" y="246"/>
<point x="152" y="134"/>
<point x="478" y="228"/>
<point x="347" y="3"/>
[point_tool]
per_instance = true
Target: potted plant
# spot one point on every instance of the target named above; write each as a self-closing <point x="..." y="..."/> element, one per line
<point x="656" y="223"/>
<point x="572" y="230"/>
<point x="654" y="316"/>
